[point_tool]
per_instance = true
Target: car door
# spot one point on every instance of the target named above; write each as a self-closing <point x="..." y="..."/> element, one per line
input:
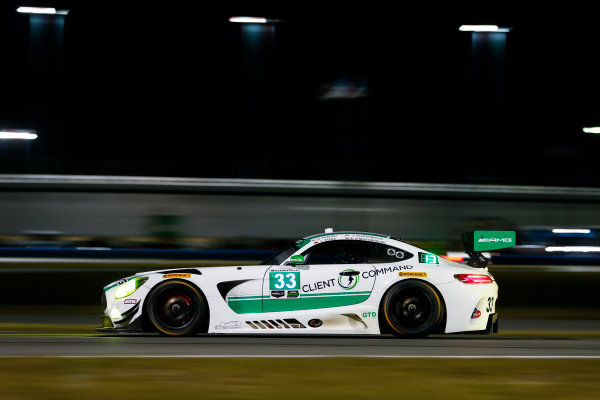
<point x="332" y="275"/>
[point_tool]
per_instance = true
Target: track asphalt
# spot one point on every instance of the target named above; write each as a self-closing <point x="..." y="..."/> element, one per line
<point x="103" y="345"/>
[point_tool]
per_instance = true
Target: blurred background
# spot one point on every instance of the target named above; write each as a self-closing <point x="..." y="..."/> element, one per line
<point x="173" y="134"/>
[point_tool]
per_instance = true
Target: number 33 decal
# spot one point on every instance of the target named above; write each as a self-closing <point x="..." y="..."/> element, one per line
<point x="281" y="281"/>
<point x="490" y="306"/>
<point x="284" y="280"/>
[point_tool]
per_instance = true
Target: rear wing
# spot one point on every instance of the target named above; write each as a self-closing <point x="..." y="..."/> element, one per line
<point x="478" y="241"/>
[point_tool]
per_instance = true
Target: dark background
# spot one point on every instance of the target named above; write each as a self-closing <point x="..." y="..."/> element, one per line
<point x="159" y="89"/>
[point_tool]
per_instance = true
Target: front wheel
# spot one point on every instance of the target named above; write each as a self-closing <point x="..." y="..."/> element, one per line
<point x="413" y="309"/>
<point x="176" y="308"/>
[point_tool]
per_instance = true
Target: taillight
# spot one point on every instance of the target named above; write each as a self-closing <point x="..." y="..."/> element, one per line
<point x="473" y="278"/>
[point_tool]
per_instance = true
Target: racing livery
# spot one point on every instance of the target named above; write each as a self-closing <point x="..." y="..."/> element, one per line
<point x="331" y="283"/>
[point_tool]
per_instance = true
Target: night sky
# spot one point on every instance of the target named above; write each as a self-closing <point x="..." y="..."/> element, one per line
<point x="160" y="91"/>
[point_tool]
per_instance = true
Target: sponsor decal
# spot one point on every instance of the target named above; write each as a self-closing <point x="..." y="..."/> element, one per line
<point x="284" y="280"/>
<point x="348" y="279"/>
<point x="298" y="259"/>
<point x="413" y="274"/>
<point x="277" y="293"/>
<point x="131" y="301"/>
<point x="311" y="287"/>
<point x="494" y="240"/>
<point x="476" y="314"/>
<point x="372" y="314"/>
<point x="372" y="273"/>
<point x="426" y="258"/>
<point x="368" y="238"/>
<point x="329" y="238"/>
<point x="302" y="242"/>
<point x="229" y="325"/>
<point x="293" y="293"/>
<point x="177" y="276"/>
<point x="348" y="236"/>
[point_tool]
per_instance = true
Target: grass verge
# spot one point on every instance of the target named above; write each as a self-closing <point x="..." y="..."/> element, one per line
<point x="331" y="378"/>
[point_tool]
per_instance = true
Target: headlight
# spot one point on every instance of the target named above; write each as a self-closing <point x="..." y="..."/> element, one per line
<point x="129" y="287"/>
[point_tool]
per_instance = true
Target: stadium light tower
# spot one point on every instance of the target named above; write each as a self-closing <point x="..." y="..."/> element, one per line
<point x="257" y="46"/>
<point x="46" y="71"/>
<point x="488" y="58"/>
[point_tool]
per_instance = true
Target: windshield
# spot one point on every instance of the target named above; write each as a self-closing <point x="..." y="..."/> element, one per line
<point x="281" y="257"/>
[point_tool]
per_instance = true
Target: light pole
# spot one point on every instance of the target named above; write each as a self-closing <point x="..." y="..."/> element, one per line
<point x="488" y="64"/>
<point x="46" y="71"/>
<point x="257" y="40"/>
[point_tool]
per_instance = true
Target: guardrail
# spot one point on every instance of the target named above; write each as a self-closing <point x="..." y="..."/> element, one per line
<point x="304" y="187"/>
<point x="138" y="254"/>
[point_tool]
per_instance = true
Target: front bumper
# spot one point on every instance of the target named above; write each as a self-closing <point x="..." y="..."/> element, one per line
<point x="109" y="327"/>
<point x="129" y="316"/>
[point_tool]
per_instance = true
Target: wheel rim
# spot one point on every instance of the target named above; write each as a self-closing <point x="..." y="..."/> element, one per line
<point x="175" y="310"/>
<point x="412" y="309"/>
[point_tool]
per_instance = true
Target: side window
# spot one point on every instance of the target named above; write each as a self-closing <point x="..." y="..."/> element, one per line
<point x="381" y="253"/>
<point x="338" y="252"/>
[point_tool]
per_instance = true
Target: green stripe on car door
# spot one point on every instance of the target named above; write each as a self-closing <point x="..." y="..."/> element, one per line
<point x="256" y="304"/>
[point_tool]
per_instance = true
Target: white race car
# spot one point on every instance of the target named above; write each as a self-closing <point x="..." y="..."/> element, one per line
<point x="331" y="283"/>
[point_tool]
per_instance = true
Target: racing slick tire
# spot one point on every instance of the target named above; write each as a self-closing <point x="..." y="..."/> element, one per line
<point x="412" y="308"/>
<point x="176" y="308"/>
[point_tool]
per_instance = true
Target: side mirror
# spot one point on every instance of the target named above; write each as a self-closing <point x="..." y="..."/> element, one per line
<point x="299" y="259"/>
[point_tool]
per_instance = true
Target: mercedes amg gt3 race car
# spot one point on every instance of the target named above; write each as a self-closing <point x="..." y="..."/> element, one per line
<point x="331" y="283"/>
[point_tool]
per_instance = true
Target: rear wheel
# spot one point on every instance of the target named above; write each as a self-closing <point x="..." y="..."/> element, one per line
<point x="176" y="308"/>
<point x="412" y="309"/>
